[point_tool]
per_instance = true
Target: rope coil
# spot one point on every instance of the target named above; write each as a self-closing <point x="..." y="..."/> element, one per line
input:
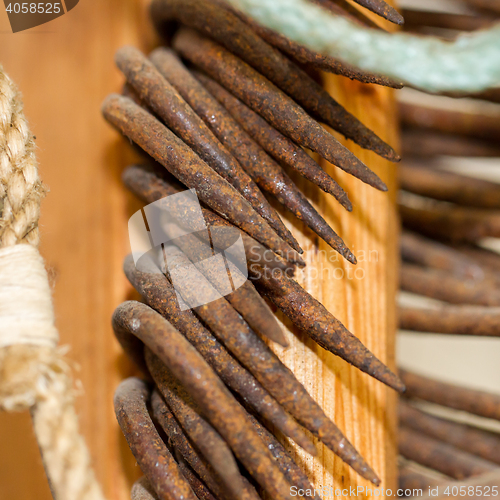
<point x="26" y="314"/>
<point x="33" y="373"/>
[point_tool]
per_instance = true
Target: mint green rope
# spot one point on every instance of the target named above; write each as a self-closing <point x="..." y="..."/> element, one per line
<point x="470" y="63"/>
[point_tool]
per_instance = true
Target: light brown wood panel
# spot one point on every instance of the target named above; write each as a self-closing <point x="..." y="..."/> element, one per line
<point x="65" y="69"/>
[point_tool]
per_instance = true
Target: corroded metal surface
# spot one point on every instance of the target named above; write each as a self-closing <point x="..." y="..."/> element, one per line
<point x="150" y="451"/>
<point x="166" y="102"/>
<point x="239" y="38"/>
<point x="280" y="147"/>
<point x="452" y="222"/>
<point x="383" y="9"/>
<point x="158" y="141"/>
<point x="269" y="176"/>
<point x="151" y="183"/>
<point x="480" y="403"/>
<point x="453" y="320"/>
<point x="479" y="442"/>
<point x="437" y="255"/>
<point x="256" y="356"/>
<point x="180" y="442"/>
<point x="312" y="317"/>
<point x="442" y="285"/>
<point x="294" y="474"/>
<point x="272" y="178"/>
<point x="315" y="60"/>
<point x="159" y="294"/>
<point x="441" y="456"/>
<point x="270" y="102"/>
<point x="217" y="403"/>
<point x="216" y="116"/>
<point x="206" y="439"/>
<point x="449" y="186"/>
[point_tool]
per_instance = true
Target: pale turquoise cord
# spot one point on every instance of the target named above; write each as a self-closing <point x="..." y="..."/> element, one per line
<point x="471" y="63"/>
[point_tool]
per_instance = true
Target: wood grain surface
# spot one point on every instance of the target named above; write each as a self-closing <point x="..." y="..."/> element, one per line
<point x="361" y="296"/>
<point x="65" y="69"/>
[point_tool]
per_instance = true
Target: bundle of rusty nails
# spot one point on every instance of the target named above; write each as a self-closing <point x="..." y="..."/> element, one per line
<point x="224" y="110"/>
<point x="445" y="218"/>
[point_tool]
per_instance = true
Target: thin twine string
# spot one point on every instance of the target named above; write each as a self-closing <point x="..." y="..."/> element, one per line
<point x="33" y="373"/>
<point x="467" y="64"/>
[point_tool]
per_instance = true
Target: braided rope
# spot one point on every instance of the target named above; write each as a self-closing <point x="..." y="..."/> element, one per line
<point x="469" y="64"/>
<point x="33" y="373"/>
<point x="20" y="187"/>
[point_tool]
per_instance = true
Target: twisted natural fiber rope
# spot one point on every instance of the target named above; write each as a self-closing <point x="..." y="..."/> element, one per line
<point x="33" y="374"/>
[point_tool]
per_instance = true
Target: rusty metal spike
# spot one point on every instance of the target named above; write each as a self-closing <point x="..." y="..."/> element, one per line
<point x="159" y="294"/>
<point x="224" y="126"/>
<point x="413" y="478"/>
<point x="206" y="439"/>
<point x="278" y="146"/>
<point x="430" y="253"/>
<point x="151" y="183"/>
<point x="442" y="185"/>
<point x="180" y="118"/>
<point x="451" y="222"/>
<point x="479" y="442"/>
<point x="451" y="320"/>
<point x="440" y="456"/>
<point x="223" y="26"/>
<point x="150" y="451"/>
<point x="270" y="102"/>
<point x="152" y="136"/>
<point x="480" y="403"/>
<point x="314" y="60"/>
<point x="199" y="488"/>
<point x="218" y="405"/>
<point x="442" y="285"/>
<point x="180" y="442"/>
<point x="422" y="143"/>
<point x="312" y="317"/>
<point x="245" y="299"/>
<point x="382" y="9"/>
<point x="294" y="474"/>
<point x="268" y="174"/>
<point x="254" y="354"/>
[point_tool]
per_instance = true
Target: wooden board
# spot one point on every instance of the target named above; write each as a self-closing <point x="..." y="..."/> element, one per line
<point x="65" y="69"/>
<point x="361" y="296"/>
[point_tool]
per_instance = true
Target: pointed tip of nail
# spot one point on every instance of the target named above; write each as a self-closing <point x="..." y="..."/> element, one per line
<point x="292" y="242"/>
<point x="383" y="149"/>
<point x="276" y="335"/>
<point x="398" y="386"/>
<point x="392" y="15"/>
<point x="389" y="378"/>
<point x="296" y="259"/>
<point x="378" y="183"/>
<point x="393" y="156"/>
<point x="349" y="256"/>
<point x="345" y="202"/>
<point x="283" y="343"/>
<point x="397" y="18"/>
<point x="364" y="470"/>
